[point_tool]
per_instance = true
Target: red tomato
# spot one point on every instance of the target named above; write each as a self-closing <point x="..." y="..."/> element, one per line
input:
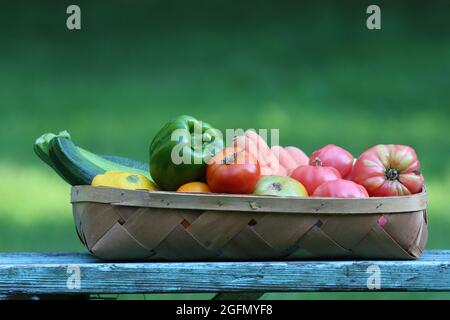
<point x="334" y="156"/>
<point x="233" y="170"/>
<point x="389" y="170"/>
<point x="313" y="176"/>
<point x="341" y="189"/>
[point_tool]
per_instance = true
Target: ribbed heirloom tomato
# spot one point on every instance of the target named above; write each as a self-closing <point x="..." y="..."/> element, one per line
<point x="334" y="156"/>
<point x="314" y="175"/>
<point x="340" y="189"/>
<point x="389" y="170"/>
<point x="233" y="170"/>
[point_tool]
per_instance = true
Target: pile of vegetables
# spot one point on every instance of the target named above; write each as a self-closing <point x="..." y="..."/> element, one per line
<point x="198" y="161"/>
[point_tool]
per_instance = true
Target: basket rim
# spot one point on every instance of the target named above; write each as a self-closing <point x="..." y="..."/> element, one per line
<point x="248" y="203"/>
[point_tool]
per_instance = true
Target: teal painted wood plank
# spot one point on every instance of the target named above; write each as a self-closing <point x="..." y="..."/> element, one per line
<point x="36" y="273"/>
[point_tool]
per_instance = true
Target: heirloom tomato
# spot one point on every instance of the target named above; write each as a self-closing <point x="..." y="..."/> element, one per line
<point x="334" y="156"/>
<point x="389" y="170"/>
<point x="341" y="189"/>
<point x="314" y="175"/>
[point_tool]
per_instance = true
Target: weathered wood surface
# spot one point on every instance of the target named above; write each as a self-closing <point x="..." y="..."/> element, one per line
<point x="34" y="273"/>
<point x="250" y="203"/>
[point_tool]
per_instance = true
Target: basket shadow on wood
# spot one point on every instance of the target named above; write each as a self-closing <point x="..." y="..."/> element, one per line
<point x="116" y="224"/>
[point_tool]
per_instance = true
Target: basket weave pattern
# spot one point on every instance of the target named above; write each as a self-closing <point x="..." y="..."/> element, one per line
<point x="125" y="232"/>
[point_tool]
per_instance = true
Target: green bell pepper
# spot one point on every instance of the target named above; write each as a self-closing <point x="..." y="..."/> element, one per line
<point x="180" y="150"/>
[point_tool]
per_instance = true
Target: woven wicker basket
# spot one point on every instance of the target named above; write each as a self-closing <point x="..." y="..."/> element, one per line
<point x="117" y="224"/>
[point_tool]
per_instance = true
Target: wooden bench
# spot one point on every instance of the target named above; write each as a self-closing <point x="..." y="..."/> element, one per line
<point x="37" y="275"/>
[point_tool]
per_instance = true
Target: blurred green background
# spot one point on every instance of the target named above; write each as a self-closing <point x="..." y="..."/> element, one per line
<point x="313" y="70"/>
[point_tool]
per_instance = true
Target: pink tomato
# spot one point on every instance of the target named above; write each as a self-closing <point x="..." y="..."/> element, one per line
<point x="334" y="156"/>
<point x="389" y="170"/>
<point x="340" y="189"/>
<point x="313" y="176"/>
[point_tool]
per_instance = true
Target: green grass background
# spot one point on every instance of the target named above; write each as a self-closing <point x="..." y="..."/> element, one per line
<point x="313" y="70"/>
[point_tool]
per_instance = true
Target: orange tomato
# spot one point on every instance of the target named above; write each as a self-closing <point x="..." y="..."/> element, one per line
<point x="194" y="187"/>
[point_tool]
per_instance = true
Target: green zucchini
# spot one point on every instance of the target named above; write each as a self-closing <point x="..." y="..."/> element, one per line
<point x="76" y="169"/>
<point x="78" y="166"/>
<point x="42" y="149"/>
<point x="129" y="163"/>
<point x="116" y="163"/>
<point x="42" y="145"/>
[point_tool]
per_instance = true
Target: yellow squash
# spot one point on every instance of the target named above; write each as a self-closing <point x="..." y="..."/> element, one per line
<point x="123" y="180"/>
